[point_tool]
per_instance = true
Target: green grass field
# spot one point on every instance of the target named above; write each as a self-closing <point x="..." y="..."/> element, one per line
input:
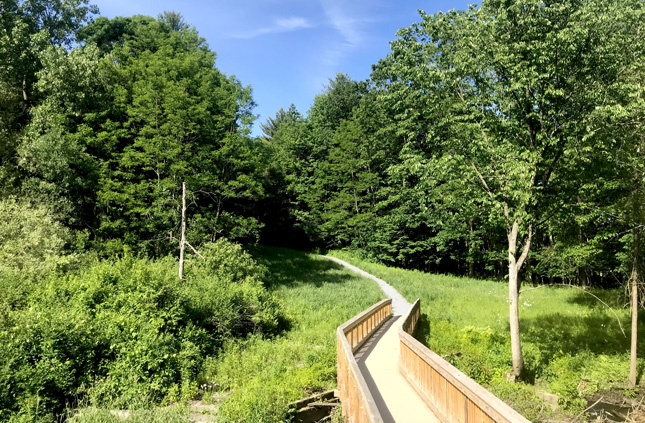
<point x="573" y="344"/>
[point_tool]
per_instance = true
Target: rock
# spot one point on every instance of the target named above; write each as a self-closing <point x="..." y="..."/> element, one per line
<point x="550" y="399"/>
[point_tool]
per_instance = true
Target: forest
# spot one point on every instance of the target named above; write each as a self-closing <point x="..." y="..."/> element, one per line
<point x="504" y="142"/>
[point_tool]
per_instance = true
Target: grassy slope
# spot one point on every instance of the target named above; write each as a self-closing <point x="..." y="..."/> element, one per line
<point x="571" y="341"/>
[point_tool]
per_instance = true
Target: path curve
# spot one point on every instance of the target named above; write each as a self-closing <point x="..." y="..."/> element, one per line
<point x="400" y="305"/>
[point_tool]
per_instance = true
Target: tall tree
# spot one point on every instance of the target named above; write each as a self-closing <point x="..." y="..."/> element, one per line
<point x="507" y="88"/>
<point x="621" y="137"/>
<point x="28" y="27"/>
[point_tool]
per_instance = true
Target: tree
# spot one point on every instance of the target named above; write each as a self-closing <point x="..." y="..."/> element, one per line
<point x="272" y="124"/>
<point x="28" y="27"/>
<point x="173" y="20"/>
<point x="175" y="118"/>
<point x="498" y="96"/>
<point x="621" y="136"/>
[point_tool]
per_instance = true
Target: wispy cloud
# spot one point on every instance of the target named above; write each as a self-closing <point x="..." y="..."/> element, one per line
<point x="279" y="25"/>
<point x="346" y="25"/>
<point x="350" y="24"/>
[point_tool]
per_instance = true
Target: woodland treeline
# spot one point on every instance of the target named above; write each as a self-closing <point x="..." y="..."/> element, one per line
<point x="512" y="126"/>
<point x="525" y="114"/>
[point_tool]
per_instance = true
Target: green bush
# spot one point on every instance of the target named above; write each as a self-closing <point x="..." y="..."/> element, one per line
<point x="127" y="332"/>
<point x="32" y="241"/>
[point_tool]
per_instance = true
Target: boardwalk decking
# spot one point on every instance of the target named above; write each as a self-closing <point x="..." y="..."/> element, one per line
<point x="378" y="360"/>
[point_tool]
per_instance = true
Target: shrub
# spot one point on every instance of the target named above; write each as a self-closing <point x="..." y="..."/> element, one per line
<point x="32" y="241"/>
<point x="127" y="332"/>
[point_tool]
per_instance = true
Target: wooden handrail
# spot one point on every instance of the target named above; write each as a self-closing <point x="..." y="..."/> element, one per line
<point x="354" y="394"/>
<point x="452" y="396"/>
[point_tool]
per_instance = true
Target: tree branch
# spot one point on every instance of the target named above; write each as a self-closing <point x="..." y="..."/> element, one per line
<point x="481" y="178"/>
<point x="195" y="251"/>
<point x="526" y="248"/>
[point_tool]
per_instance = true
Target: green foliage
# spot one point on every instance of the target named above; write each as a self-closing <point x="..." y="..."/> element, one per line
<point x="121" y="121"/>
<point x="174" y="414"/>
<point x="126" y="332"/>
<point x="32" y="241"/>
<point x="521" y="396"/>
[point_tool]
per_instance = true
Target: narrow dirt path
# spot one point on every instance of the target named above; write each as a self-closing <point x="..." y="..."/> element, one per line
<point x="378" y="360"/>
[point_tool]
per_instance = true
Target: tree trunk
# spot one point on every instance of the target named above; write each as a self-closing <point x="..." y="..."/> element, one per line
<point x="471" y="264"/>
<point x="514" y="266"/>
<point x="182" y="241"/>
<point x="24" y="90"/>
<point x="634" y="285"/>
<point x="514" y="316"/>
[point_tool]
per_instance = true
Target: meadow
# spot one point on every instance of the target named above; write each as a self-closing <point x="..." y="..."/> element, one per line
<point x="573" y="344"/>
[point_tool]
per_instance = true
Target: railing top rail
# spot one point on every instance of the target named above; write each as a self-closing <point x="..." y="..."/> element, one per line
<point x="493" y="406"/>
<point x="359" y="318"/>
<point x="374" y="415"/>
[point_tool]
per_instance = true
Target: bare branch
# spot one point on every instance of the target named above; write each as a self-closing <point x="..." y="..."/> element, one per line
<point x="587" y="409"/>
<point x="195" y="251"/>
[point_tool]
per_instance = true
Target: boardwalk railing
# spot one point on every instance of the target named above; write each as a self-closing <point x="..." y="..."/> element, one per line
<point x="357" y="400"/>
<point x="450" y="394"/>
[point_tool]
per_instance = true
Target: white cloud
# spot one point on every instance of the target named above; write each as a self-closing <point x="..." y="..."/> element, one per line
<point x="350" y="20"/>
<point x="279" y="25"/>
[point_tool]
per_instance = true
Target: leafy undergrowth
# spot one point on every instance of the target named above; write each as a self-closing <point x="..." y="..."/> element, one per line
<point x="573" y="345"/>
<point x="172" y="414"/>
<point x="257" y="378"/>
<point x="125" y="333"/>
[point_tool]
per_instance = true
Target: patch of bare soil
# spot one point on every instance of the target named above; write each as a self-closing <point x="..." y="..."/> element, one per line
<point x="202" y="412"/>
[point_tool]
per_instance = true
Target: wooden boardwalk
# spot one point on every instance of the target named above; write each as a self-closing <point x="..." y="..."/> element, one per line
<point x="386" y="376"/>
<point x="395" y="398"/>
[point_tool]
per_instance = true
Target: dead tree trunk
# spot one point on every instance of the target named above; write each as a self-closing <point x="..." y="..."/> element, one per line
<point x="182" y="241"/>
<point x="634" y="278"/>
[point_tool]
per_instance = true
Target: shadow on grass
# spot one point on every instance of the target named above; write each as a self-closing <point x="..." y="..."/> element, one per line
<point x="599" y="334"/>
<point x="291" y="268"/>
<point x="612" y="297"/>
<point x="422" y="332"/>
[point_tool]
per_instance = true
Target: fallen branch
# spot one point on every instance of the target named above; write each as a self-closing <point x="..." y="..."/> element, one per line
<point x="587" y="409"/>
<point x="586" y="292"/>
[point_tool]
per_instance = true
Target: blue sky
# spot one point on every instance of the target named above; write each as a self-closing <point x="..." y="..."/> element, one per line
<point x="288" y="49"/>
